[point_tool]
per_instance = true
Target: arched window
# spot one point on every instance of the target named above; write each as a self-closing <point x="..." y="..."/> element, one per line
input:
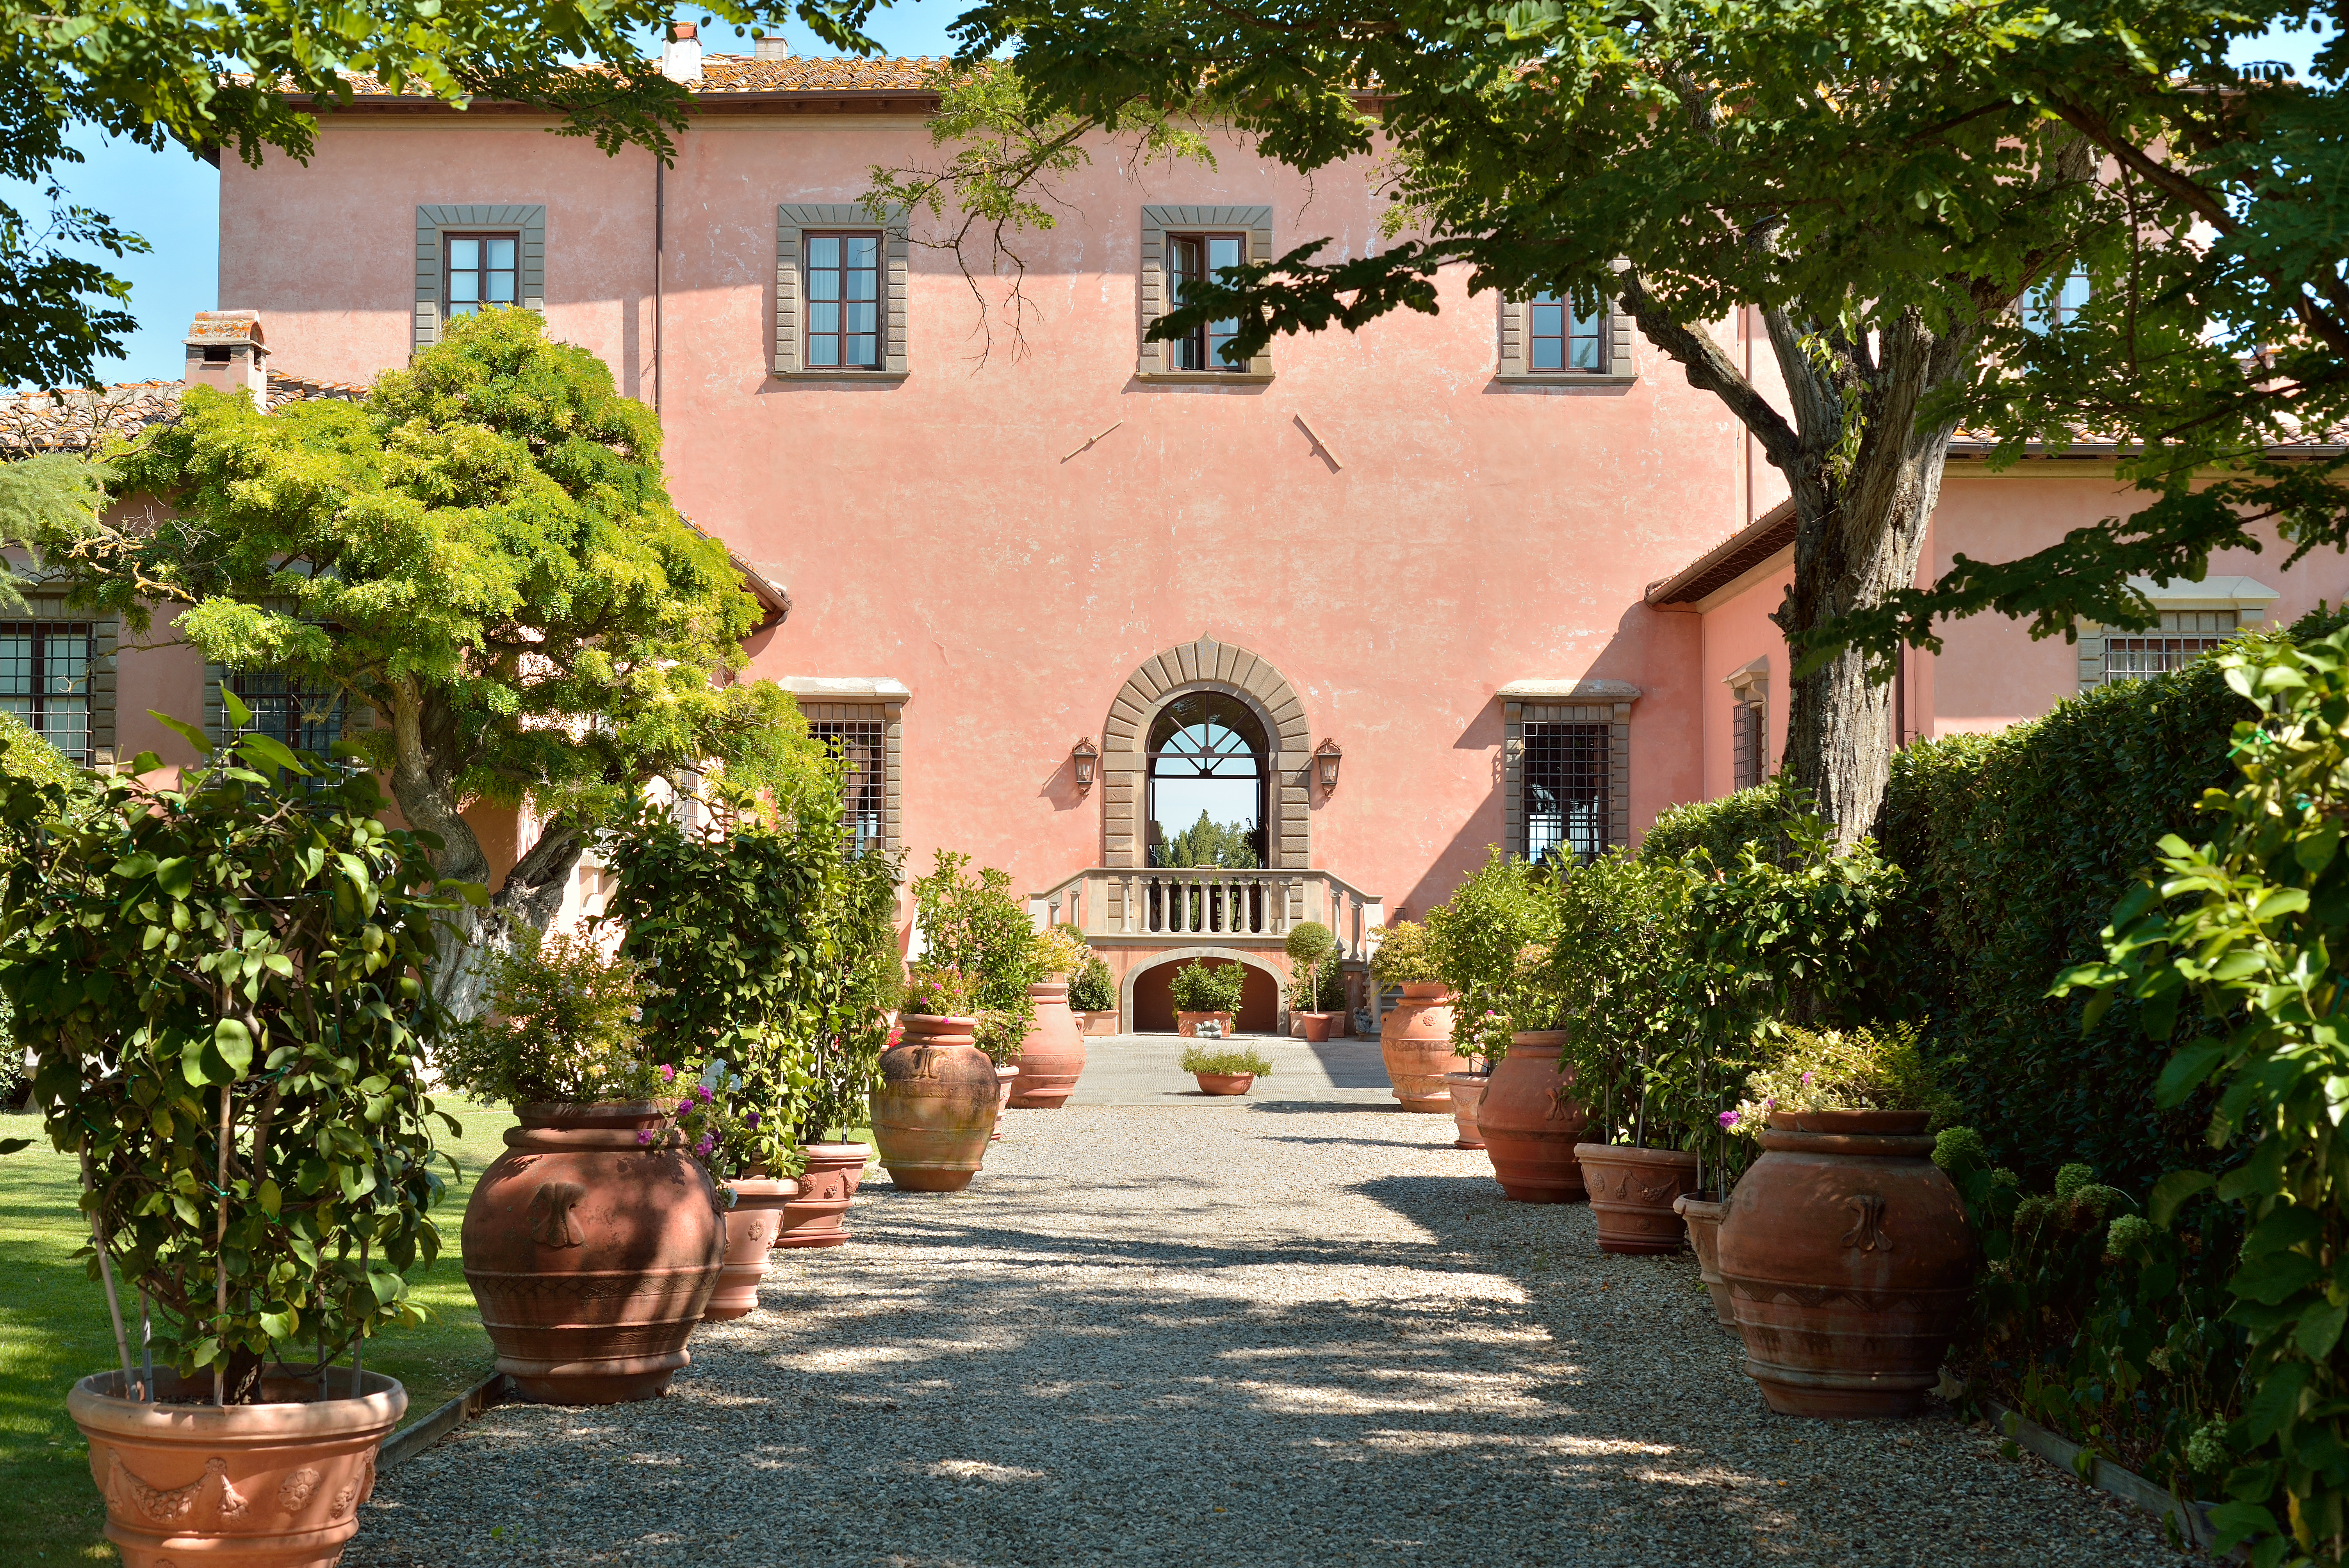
<point x="1208" y="783"/>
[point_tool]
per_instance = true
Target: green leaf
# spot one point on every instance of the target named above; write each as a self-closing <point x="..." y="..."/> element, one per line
<point x="270" y="1198"/>
<point x="14" y="1145"/>
<point x="187" y="732"/>
<point x="2276" y="1404"/>
<point x="2320" y="1330"/>
<point x="233" y="1041"/>
<point x="2172" y="1191"/>
<point x="239" y="715"/>
<point x="2275" y="1276"/>
<point x="266" y="751"/>
<point x="177" y="876"/>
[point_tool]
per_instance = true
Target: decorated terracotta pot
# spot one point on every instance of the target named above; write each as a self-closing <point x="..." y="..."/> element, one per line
<point x="1006" y="1079"/>
<point x="1225" y="1083"/>
<point x="276" y="1484"/>
<point x="1415" y="1039"/>
<point x="1530" y="1121"/>
<point x="1848" y="1259"/>
<point x="1466" y="1090"/>
<point x="751" y="1226"/>
<point x="817" y="1216"/>
<point x="935" y="1105"/>
<point x="1632" y="1191"/>
<point x="1188" y="1023"/>
<point x="1102" y="1023"/>
<point x="1052" y="1057"/>
<point x="592" y="1256"/>
<point x="1703" y="1222"/>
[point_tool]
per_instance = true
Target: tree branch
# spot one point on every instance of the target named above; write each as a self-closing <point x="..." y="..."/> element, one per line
<point x="1710" y="370"/>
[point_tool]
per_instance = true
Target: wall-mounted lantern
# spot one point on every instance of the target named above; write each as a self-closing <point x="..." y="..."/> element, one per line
<point x="1325" y="763"/>
<point x="1081" y="757"/>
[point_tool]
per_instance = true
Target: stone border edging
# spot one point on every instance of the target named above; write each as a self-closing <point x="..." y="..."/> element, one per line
<point x="418" y="1435"/>
<point x="2193" y="1518"/>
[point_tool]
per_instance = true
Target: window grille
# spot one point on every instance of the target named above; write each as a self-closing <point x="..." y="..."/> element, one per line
<point x="1560" y="337"/>
<point x="844" y="301"/>
<point x="2185" y="635"/>
<point x="480" y="270"/>
<point x="2056" y="303"/>
<point x="859" y="740"/>
<point x="1565" y="790"/>
<point x="1193" y="258"/>
<point x="305" y="717"/>
<point x="44" y="681"/>
<point x="1749" y="744"/>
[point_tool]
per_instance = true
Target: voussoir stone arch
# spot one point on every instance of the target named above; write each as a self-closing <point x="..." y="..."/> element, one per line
<point x="1205" y="665"/>
<point x="1241" y="957"/>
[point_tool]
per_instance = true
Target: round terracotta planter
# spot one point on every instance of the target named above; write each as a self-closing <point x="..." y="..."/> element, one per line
<point x="591" y="1256"/>
<point x="751" y="1226"/>
<point x="1704" y="1240"/>
<point x="272" y="1485"/>
<point x="1415" y="1039"/>
<point x="1848" y="1259"/>
<point x="936" y="1103"/>
<point x="1188" y="1023"/>
<point x="1006" y="1079"/>
<point x="1466" y="1090"/>
<point x="1530" y="1123"/>
<point x="1632" y="1191"/>
<point x="818" y="1216"/>
<point x="1224" y="1083"/>
<point x="1052" y="1057"/>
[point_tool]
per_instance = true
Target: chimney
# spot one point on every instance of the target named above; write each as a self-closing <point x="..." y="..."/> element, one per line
<point x="226" y="352"/>
<point x="776" y="48"/>
<point x="681" y="56"/>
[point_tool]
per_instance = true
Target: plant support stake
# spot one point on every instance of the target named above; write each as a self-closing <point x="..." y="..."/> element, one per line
<point x="106" y="1271"/>
<point x="220" y="1264"/>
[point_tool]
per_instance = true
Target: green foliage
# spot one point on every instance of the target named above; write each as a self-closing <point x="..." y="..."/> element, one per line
<point x="1200" y="986"/>
<point x="1228" y="1061"/>
<point x="1092" y="988"/>
<point x="562" y="1026"/>
<point x="1860" y="1068"/>
<point x="1207" y="842"/>
<point x="234" y="953"/>
<point x="1058" y="950"/>
<point x="935" y="990"/>
<point x="24" y="755"/>
<point x="1312" y="946"/>
<point x="977" y="925"/>
<point x="1758" y="817"/>
<point x="2237" y="939"/>
<point x="1616" y="961"/>
<point x="1490" y="942"/>
<point x="1404" y="956"/>
<point x="47" y="502"/>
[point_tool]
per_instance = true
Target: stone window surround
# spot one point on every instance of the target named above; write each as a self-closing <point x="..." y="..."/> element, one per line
<point x="2247" y="597"/>
<point x="1205" y="665"/>
<point x="1622" y="366"/>
<point x="1150" y="362"/>
<point x="873" y="696"/>
<point x="435" y="219"/>
<point x="1537" y="701"/>
<point x="791" y="220"/>
<point x="105" y="632"/>
<point x="1749" y="688"/>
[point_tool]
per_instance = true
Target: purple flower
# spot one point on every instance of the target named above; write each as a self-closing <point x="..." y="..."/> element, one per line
<point x="644" y="1136"/>
<point x="1728" y="1118"/>
<point x="751" y="1119"/>
<point x="702" y="1149"/>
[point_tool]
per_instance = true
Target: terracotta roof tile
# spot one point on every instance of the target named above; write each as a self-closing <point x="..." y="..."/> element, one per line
<point x="82" y="420"/>
<point x="727" y="74"/>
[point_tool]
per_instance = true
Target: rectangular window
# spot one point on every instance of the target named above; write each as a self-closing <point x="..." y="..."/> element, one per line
<point x="481" y="270"/>
<point x="1559" y="337"/>
<point x="1195" y="258"/>
<point x="305" y="717"/>
<point x="844" y="301"/>
<point x="2185" y="635"/>
<point x="1749" y="738"/>
<point x="2056" y="303"/>
<point x="44" y="681"/>
<point x="859" y="740"/>
<point x="1565" y="790"/>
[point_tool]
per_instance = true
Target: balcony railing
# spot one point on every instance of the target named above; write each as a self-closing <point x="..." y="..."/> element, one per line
<point x="1210" y="904"/>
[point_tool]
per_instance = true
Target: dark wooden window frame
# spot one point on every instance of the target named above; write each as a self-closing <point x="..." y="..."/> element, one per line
<point x="809" y="301"/>
<point x="1594" y="331"/>
<point x="38" y="678"/>
<point x="448" y="269"/>
<point x="1196" y="350"/>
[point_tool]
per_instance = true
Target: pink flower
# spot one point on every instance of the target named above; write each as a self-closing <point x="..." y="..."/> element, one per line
<point x="644" y="1136"/>
<point x="667" y="1073"/>
<point x="1807" y="1078"/>
<point x="1729" y="1119"/>
<point x="702" y="1149"/>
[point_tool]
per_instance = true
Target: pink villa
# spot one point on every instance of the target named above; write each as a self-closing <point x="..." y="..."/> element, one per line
<point x="1368" y="605"/>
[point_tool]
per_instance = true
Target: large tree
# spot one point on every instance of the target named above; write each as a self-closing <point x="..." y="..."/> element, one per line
<point x="1889" y="187"/>
<point x="481" y="554"/>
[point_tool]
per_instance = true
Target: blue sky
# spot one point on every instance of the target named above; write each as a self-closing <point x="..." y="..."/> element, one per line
<point x="173" y="198"/>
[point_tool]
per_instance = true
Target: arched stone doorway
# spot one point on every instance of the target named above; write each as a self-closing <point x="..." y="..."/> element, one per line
<point x="1200" y="670"/>
<point x="1147" y="1000"/>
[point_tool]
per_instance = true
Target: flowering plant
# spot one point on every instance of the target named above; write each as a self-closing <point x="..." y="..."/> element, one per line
<point x="709" y="1120"/>
<point x="937" y="991"/>
<point x="1860" y="1068"/>
<point x="1057" y="950"/>
<point x="563" y="1025"/>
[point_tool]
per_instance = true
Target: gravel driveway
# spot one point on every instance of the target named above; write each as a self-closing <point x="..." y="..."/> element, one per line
<point x="1299" y="1332"/>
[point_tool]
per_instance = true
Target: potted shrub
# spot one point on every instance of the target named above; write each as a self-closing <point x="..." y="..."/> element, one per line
<point x="1614" y="963"/>
<point x="1092" y="996"/>
<point x="1490" y="942"/>
<point x="1845" y="1249"/>
<point x="1052" y="1053"/>
<point x="972" y="923"/>
<point x="739" y="1142"/>
<point x="1311" y="950"/>
<point x="1225" y="1070"/>
<point x="1205" y="992"/>
<point x="1415" y="1037"/>
<point x="938" y="1096"/>
<point x="220" y="985"/>
<point x="592" y="1243"/>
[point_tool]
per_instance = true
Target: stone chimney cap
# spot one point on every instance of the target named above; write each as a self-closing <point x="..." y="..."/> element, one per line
<point x="774" y="46"/>
<point x="681" y="56"/>
<point x="221" y="328"/>
<point x="681" y="31"/>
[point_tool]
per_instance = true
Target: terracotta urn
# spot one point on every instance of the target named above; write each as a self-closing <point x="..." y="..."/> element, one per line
<point x="935" y="1105"/>
<point x="1466" y="1090"/>
<point x="1531" y="1123"/>
<point x="1632" y="1194"/>
<point x="1053" y="1056"/>
<point x="1415" y="1039"/>
<point x="751" y="1226"/>
<point x="1848" y="1259"/>
<point x="592" y="1256"/>
<point x="817" y="1216"/>
<point x="1188" y="1023"/>
<point x="1703" y="1220"/>
<point x="1006" y="1079"/>
<point x="276" y="1484"/>
<point x="1315" y="1026"/>
<point x="1225" y="1083"/>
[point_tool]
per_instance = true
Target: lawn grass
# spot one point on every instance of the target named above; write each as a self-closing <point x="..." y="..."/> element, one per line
<point x="54" y="1330"/>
